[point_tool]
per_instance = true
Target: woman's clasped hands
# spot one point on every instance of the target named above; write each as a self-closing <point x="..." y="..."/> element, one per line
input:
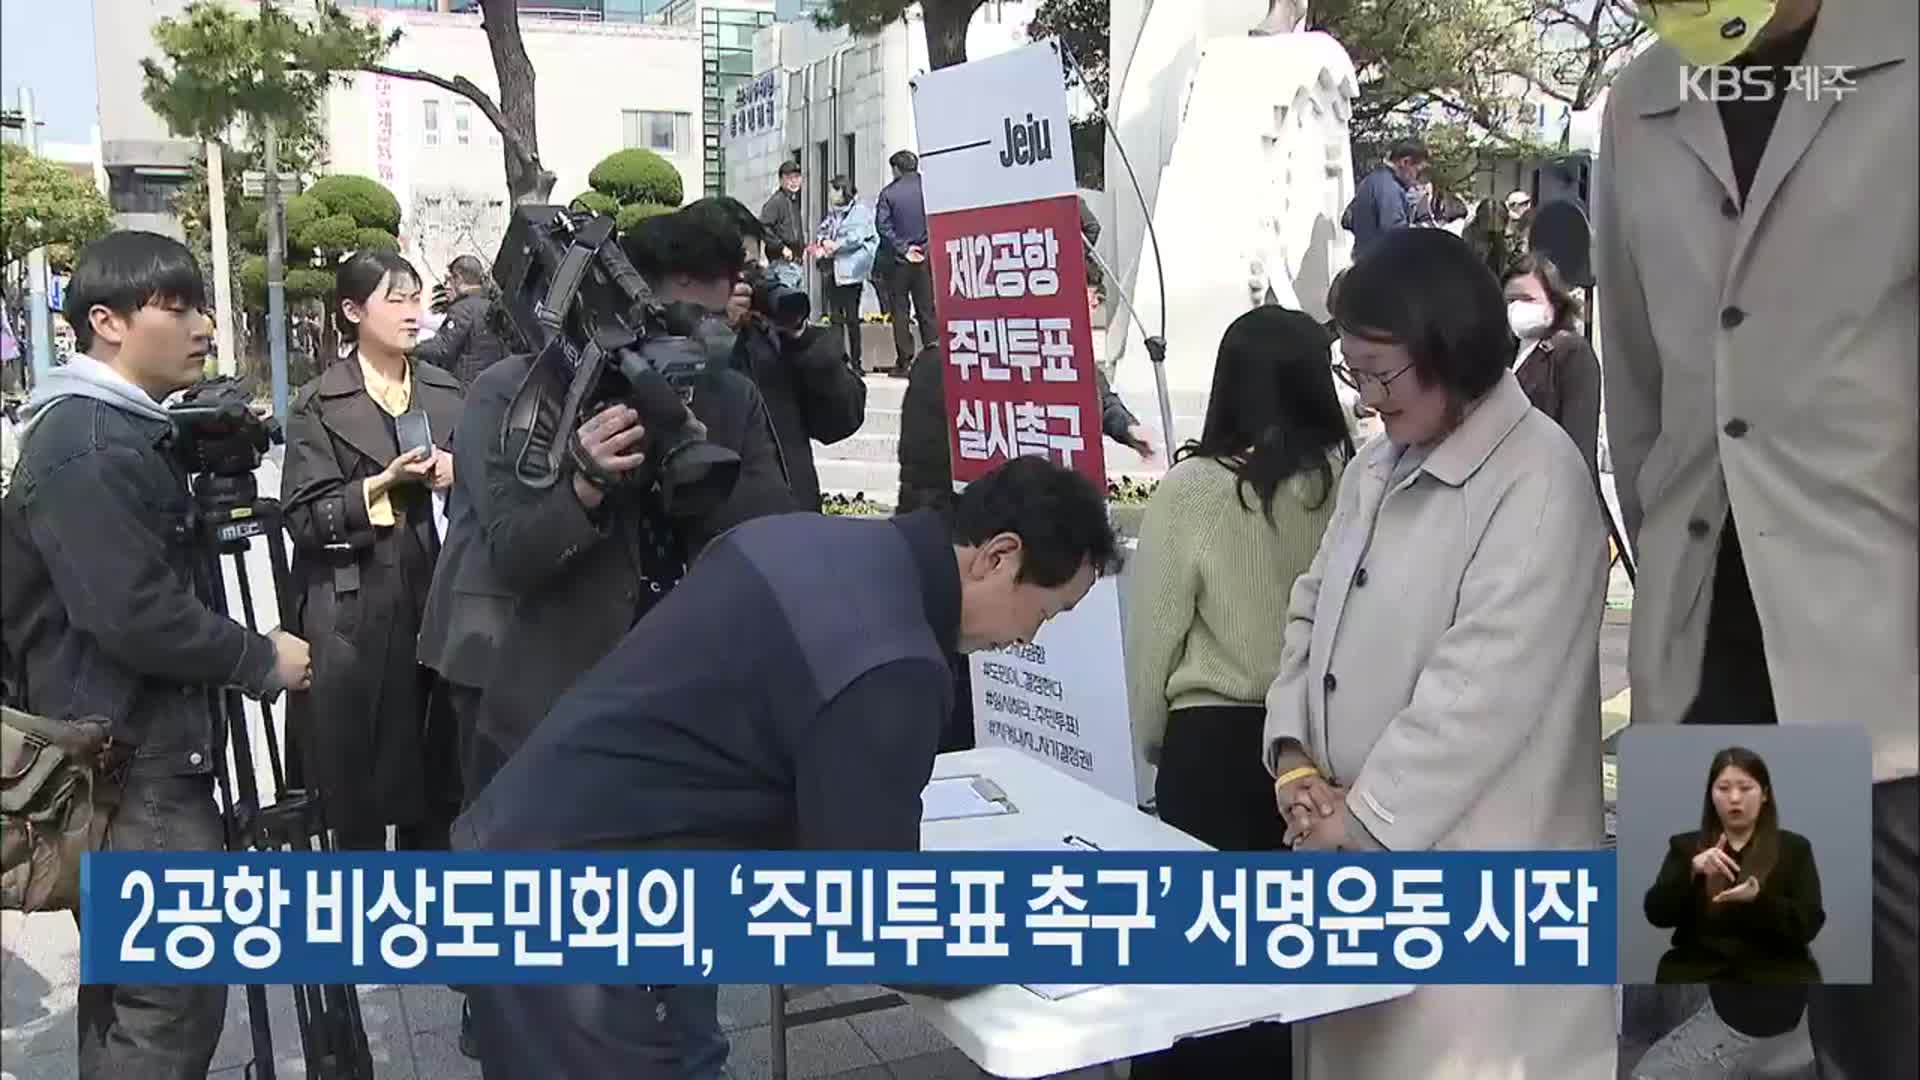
<point x="1312" y="807"/>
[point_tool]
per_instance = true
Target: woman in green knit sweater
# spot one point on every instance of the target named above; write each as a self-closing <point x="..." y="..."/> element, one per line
<point x="1229" y="527"/>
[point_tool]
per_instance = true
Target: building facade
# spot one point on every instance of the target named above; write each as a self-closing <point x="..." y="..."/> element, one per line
<point x="441" y="157"/>
<point x="839" y="104"/>
<point x="144" y="164"/>
<point x="727" y="29"/>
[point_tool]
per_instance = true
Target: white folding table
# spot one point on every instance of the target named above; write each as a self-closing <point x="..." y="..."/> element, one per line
<point x="1012" y="1032"/>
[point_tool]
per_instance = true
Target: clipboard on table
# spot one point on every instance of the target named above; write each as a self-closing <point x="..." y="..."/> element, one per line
<point x="956" y="798"/>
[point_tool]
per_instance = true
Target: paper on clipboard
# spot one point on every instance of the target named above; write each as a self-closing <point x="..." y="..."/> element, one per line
<point x="949" y="797"/>
<point x="1057" y="991"/>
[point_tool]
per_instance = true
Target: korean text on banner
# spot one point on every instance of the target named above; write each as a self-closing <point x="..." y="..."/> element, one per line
<point x="960" y="918"/>
<point x="1009" y="279"/>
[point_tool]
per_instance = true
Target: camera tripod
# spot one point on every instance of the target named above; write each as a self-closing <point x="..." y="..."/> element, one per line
<point x="227" y="515"/>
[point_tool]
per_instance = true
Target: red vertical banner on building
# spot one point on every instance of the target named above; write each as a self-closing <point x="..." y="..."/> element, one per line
<point x="1009" y="276"/>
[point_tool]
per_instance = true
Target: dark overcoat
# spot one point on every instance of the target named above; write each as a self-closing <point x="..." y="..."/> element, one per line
<point x="362" y="730"/>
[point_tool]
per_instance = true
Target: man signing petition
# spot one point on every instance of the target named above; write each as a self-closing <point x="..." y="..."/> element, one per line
<point x="790" y="693"/>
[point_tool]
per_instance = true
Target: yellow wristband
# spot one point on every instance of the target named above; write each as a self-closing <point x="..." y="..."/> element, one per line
<point x="1291" y="775"/>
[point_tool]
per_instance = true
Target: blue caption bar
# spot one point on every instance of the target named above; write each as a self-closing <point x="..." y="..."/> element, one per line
<point x="966" y="918"/>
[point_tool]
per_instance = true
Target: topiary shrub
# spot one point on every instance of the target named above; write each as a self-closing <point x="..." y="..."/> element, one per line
<point x="637" y="176"/>
<point x="333" y="234"/>
<point x="375" y="240"/>
<point x="598" y="202"/>
<point x="629" y="216"/>
<point x="370" y="205"/>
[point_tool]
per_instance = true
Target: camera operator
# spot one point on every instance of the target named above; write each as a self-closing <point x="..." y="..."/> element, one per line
<point x="100" y="617"/>
<point x="812" y="390"/>
<point x="586" y="563"/>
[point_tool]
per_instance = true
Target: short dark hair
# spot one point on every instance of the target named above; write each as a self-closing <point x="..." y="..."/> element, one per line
<point x="700" y="242"/>
<point x="362" y="273"/>
<point x="1426" y="290"/>
<point x="125" y="271"/>
<point x="905" y="160"/>
<point x="467" y="270"/>
<point x="1408" y="150"/>
<point x="844" y="186"/>
<point x="789" y="168"/>
<point x="743" y="219"/>
<point x="1059" y="516"/>
<point x="1566" y="306"/>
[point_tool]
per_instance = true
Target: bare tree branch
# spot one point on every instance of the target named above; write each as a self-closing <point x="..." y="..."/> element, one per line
<point x="466" y="88"/>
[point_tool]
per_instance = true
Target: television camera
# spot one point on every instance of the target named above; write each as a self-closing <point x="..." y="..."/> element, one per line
<point x="591" y="320"/>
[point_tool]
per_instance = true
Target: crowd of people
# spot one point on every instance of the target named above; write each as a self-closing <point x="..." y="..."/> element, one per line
<point x="1333" y="643"/>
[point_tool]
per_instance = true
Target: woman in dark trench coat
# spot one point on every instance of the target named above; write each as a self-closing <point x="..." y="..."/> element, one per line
<point x="372" y="735"/>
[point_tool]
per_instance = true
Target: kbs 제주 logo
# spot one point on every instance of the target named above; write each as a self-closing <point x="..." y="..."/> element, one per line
<point x="1026" y="143"/>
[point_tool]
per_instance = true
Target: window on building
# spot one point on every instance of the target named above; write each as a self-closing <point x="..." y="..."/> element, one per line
<point x="463" y="122"/>
<point x="822" y="171"/>
<point x="849" y="165"/>
<point x="430" y="121"/>
<point x="660" y="132"/>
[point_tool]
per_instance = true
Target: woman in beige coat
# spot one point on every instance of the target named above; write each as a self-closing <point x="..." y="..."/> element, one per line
<point x="1439" y="687"/>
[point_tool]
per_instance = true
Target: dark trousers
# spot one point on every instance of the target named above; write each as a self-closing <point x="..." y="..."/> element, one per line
<point x="843" y="307"/>
<point x="912" y="290"/>
<point x="463" y="702"/>
<point x="441" y="741"/>
<point x="1212" y="787"/>
<point x="1863" y="1032"/>
<point x="155" y="1032"/>
<point x="537" y="1032"/>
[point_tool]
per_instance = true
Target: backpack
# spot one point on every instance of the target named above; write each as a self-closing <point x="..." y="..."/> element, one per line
<point x="57" y="797"/>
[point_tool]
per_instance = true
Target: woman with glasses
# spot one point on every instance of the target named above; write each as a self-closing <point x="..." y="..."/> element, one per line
<point x="1439" y="688"/>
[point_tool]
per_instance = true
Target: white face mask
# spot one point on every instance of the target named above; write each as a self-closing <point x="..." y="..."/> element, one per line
<point x="1529" y="318"/>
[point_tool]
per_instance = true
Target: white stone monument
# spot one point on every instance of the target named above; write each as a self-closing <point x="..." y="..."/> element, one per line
<point x="1238" y="135"/>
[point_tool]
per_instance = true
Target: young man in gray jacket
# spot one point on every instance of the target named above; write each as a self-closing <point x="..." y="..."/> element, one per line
<point x="99" y="617"/>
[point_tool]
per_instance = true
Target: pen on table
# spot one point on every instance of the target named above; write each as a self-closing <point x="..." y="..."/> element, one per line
<point x="1080" y="841"/>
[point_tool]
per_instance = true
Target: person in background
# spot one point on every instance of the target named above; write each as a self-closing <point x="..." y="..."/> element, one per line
<point x="98" y="617"/>
<point x="900" y="215"/>
<point x="1228" y="529"/>
<point x="1516" y="231"/>
<point x="360" y="512"/>
<point x="1554" y="363"/>
<point x="848" y="239"/>
<point x="767" y="706"/>
<point x="786" y="228"/>
<point x="1380" y="204"/>
<point x="466" y="343"/>
<point x="1758" y="298"/>
<point x="810" y="387"/>
<point x="1439" y="685"/>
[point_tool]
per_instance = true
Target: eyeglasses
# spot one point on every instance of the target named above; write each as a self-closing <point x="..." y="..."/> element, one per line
<point x="1360" y="380"/>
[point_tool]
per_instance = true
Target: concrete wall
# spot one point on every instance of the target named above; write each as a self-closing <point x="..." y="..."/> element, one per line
<point x="453" y="195"/>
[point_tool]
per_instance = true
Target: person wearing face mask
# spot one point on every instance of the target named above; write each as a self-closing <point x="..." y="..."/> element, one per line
<point x="788" y="695"/>
<point x="1439" y="680"/>
<point x="1554" y="363"/>
<point x="359" y="498"/>
<point x="848" y="239"/>
<point x="1755" y="274"/>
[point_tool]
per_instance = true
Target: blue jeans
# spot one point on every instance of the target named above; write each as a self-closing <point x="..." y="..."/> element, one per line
<point x="155" y="1032"/>
<point x="589" y="1032"/>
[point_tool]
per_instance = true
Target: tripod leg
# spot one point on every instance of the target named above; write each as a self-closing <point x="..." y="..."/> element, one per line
<point x="247" y="611"/>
